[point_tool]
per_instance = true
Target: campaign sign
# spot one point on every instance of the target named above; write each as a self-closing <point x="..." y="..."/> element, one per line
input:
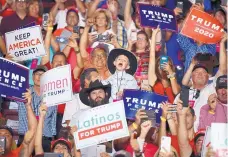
<point x="56" y="85"/>
<point x="206" y="141"/>
<point x="203" y="27"/>
<point x="26" y="43"/>
<point x="219" y="140"/>
<point x="100" y="124"/>
<point x="137" y="99"/>
<point x="13" y="80"/>
<point x="152" y="16"/>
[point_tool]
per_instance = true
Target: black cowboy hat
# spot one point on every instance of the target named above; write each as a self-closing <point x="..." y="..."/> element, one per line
<point x="131" y="57"/>
<point x="84" y="93"/>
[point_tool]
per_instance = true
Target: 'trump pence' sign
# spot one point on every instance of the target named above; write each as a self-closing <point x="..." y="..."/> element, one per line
<point x="137" y="99"/>
<point x="26" y="43"/>
<point x="203" y="27"/>
<point x="13" y="80"/>
<point x="100" y="124"/>
<point x="152" y="16"/>
<point x="56" y="85"/>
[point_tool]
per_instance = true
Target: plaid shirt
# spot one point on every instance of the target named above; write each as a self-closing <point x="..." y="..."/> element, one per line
<point x="50" y="119"/>
<point x="121" y="34"/>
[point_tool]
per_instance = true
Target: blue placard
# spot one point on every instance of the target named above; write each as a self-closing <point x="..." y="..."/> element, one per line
<point x="136" y="99"/>
<point x="13" y="80"/>
<point x="152" y="16"/>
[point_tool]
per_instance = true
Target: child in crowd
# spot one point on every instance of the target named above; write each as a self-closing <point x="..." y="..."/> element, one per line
<point x="122" y="64"/>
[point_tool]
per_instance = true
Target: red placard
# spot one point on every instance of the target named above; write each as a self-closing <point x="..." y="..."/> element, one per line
<point x="202" y="27"/>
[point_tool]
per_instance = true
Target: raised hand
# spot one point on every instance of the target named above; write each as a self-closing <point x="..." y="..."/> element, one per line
<point x="28" y="96"/>
<point x="43" y="110"/>
<point x="140" y="114"/>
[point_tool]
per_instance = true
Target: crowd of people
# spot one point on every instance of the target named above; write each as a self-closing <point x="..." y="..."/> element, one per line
<point x="108" y="53"/>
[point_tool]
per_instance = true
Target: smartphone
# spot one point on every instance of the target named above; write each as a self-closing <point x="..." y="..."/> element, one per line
<point x="61" y="40"/>
<point x="3" y="143"/>
<point x="53" y="155"/>
<point x="184" y="95"/>
<point x="199" y="1"/>
<point x="76" y="29"/>
<point x="180" y="5"/>
<point x="165" y="144"/>
<point x="100" y="149"/>
<point x="45" y="19"/>
<point x="133" y="35"/>
<point x="163" y="60"/>
<point x="103" y="38"/>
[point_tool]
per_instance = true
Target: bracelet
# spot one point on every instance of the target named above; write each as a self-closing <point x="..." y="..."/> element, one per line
<point x="50" y="28"/>
<point x="211" y="112"/>
<point x="163" y="119"/>
<point x="171" y="75"/>
<point x="172" y="78"/>
<point x="135" y="126"/>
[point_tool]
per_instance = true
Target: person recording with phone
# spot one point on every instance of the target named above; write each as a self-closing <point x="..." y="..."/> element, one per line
<point x="161" y="74"/>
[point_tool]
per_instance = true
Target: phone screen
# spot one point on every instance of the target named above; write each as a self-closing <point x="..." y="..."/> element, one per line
<point x="3" y="143"/>
<point x="180" y="5"/>
<point x="45" y="19"/>
<point x="163" y="60"/>
<point x="133" y="35"/>
<point x="165" y="144"/>
<point x="184" y="95"/>
<point x="100" y="149"/>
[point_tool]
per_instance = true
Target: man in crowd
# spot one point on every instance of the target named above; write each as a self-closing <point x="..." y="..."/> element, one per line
<point x="216" y="109"/>
<point x="50" y="121"/>
<point x="15" y="21"/>
<point x="200" y="89"/>
<point x="28" y="143"/>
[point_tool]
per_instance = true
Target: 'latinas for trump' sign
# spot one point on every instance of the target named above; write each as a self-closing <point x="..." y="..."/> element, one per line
<point x="152" y="16"/>
<point x="202" y="27"/>
<point x="26" y="43"/>
<point x="13" y="80"/>
<point x="56" y="85"/>
<point x="100" y="124"/>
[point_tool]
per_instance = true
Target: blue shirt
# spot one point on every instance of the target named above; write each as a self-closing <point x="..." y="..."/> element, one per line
<point x="190" y="48"/>
<point x="49" y="129"/>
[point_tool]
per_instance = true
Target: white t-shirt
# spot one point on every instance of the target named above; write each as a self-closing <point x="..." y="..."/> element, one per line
<point x="201" y="100"/>
<point x="72" y="107"/>
<point x="60" y="19"/>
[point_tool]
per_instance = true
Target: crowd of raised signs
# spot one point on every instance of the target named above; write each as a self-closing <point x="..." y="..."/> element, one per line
<point x="109" y="78"/>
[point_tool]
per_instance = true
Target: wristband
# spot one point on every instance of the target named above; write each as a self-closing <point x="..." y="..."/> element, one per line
<point x="135" y="126"/>
<point x="50" y="28"/>
<point x="171" y="75"/>
<point x="172" y="78"/>
<point x="163" y="119"/>
<point x="211" y="112"/>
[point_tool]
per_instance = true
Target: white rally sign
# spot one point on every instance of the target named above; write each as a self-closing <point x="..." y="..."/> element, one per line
<point x="26" y="43"/>
<point x="56" y="85"/>
<point x="100" y="124"/>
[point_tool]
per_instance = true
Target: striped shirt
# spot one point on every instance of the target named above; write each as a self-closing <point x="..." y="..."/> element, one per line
<point x="121" y="34"/>
<point x="50" y="119"/>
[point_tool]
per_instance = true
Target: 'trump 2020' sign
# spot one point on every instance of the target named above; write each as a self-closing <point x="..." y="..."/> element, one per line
<point x="13" y="80"/>
<point x="203" y="27"/>
<point x="152" y="16"/>
<point x="26" y="43"/>
<point x="56" y="85"/>
<point x="100" y="124"/>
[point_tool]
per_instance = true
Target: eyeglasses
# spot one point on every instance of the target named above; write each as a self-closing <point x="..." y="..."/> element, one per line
<point x="141" y="39"/>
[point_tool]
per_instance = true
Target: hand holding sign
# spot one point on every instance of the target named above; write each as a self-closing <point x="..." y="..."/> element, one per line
<point x="140" y="114"/>
<point x="43" y="110"/>
<point x="210" y="152"/>
<point x="28" y="96"/>
<point x="134" y="142"/>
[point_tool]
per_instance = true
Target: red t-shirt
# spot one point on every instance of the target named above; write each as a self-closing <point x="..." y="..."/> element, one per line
<point x="75" y="88"/>
<point x="13" y="153"/>
<point x="174" y="143"/>
<point x="159" y="89"/>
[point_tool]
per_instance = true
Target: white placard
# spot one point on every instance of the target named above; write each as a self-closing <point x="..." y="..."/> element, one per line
<point x="100" y="124"/>
<point x="14" y="124"/>
<point x="219" y="138"/>
<point x="26" y="43"/>
<point x="13" y="105"/>
<point x="206" y="141"/>
<point x="56" y="85"/>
